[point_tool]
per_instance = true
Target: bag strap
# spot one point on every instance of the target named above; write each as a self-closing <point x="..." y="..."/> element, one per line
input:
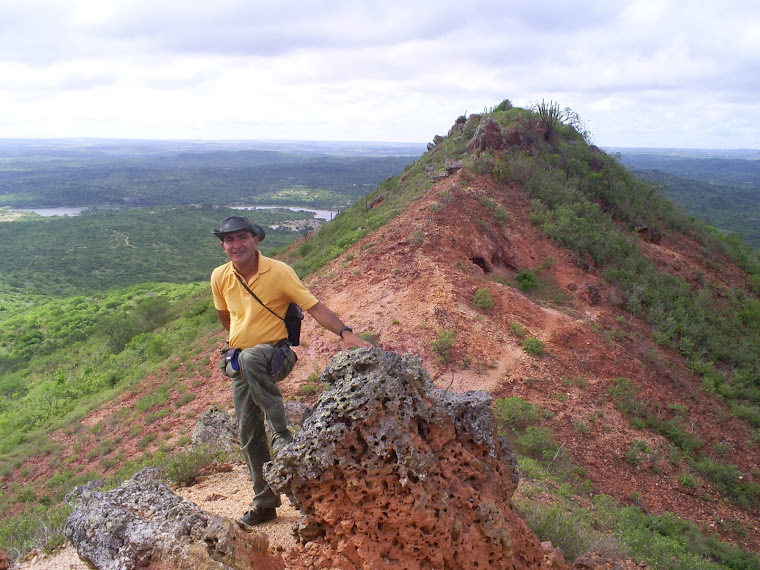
<point x="255" y="297"/>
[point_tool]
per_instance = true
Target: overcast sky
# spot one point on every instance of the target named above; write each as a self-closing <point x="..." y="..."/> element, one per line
<point x="654" y="73"/>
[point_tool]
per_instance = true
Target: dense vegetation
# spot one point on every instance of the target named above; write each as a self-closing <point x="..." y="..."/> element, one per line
<point x="93" y="304"/>
<point x="70" y="340"/>
<point x="102" y="249"/>
<point x="240" y="177"/>
<point x="724" y="192"/>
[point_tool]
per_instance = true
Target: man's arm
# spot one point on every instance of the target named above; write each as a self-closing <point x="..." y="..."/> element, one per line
<point x="332" y="323"/>
<point x="224" y="318"/>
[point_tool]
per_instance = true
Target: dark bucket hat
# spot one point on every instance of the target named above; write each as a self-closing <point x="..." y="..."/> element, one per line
<point x="236" y="224"/>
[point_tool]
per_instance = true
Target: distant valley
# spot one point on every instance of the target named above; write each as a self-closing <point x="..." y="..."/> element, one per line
<point x="720" y="187"/>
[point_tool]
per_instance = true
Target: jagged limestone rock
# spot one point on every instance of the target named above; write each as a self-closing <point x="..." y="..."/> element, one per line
<point x="392" y="473"/>
<point x="143" y="524"/>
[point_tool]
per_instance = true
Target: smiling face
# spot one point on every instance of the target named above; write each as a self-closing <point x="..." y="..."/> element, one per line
<point x="240" y="247"/>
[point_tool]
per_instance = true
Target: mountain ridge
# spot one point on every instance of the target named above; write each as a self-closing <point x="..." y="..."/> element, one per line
<point x="416" y="276"/>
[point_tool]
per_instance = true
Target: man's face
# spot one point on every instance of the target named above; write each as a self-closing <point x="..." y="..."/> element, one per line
<point x="240" y="246"/>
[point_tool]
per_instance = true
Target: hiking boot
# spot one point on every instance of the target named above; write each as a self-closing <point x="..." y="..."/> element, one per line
<point x="258" y="515"/>
<point x="280" y="440"/>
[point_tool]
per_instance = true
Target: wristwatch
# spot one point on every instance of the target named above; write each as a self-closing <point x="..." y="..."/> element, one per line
<point x="343" y="329"/>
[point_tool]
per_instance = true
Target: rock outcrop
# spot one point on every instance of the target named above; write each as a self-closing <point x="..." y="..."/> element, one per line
<point x="143" y="524"/>
<point x="392" y="473"/>
<point x="488" y="136"/>
<point x="218" y="429"/>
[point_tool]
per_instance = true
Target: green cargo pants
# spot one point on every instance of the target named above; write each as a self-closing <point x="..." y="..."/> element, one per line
<point x="257" y="397"/>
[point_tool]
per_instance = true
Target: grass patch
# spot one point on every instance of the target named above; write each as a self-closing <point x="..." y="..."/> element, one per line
<point x="184" y="467"/>
<point x="443" y="344"/>
<point x="483" y="299"/>
<point x="534" y="347"/>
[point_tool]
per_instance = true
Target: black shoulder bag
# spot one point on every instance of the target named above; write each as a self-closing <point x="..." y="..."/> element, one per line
<point x="292" y="320"/>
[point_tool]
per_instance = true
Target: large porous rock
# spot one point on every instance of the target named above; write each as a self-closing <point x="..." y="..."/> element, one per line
<point x="392" y="473"/>
<point x="143" y="524"/>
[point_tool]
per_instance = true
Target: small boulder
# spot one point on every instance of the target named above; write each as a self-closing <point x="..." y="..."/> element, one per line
<point x="216" y="429"/>
<point x="143" y="524"/>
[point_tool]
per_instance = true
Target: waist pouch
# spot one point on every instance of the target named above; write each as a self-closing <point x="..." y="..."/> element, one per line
<point x="231" y="358"/>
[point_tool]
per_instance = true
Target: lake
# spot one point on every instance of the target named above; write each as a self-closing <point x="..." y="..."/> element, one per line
<point x="321" y="214"/>
<point x="67" y="211"/>
<point x="51" y="211"/>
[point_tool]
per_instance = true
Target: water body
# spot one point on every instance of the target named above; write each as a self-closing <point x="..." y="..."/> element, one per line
<point x="320" y="214"/>
<point x="75" y="211"/>
<point x="51" y="211"/>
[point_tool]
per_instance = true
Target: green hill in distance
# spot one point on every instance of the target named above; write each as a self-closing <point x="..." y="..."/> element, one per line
<point x="148" y="173"/>
<point x="721" y="188"/>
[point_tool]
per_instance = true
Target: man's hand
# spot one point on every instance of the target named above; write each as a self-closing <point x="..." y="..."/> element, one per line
<point x="332" y="323"/>
<point x="352" y="340"/>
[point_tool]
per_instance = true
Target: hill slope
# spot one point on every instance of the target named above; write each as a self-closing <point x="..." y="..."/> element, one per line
<point x="567" y="324"/>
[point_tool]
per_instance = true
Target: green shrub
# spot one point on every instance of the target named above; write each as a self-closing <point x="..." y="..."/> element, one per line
<point x="37" y="527"/>
<point x="637" y="452"/>
<point x="483" y="299"/>
<point x="312" y="386"/>
<point x="517" y="329"/>
<point x="443" y="344"/>
<point x="527" y="280"/>
<point x="157" y="415"/>
<point x="688" y="481"/>
<point x="728" y="480"/>
<point x="675" y="432"/>
<point x="538" y="443"/>
<point x="146" y="440"/>
<point x="666" y="541"/>
<point x="505" y="105"/>
<point x="625" y="395"/>
<point x="582" y="427"/>
<point x="184" y="467"/>
<point x="370" y="337"/>
<point x="184" y="399"/>
<point x="515" y="413"/>
<point x="534" y="346"/>
<point x="747" y="412"/>
<point x="753" y="282"/>
<point x="565" y="529"/>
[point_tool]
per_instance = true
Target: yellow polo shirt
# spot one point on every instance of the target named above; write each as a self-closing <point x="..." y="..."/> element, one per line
<point x="276" y="284"/>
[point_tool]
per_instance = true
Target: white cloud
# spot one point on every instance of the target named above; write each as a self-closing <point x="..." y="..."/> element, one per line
<point x="639" y="72"/>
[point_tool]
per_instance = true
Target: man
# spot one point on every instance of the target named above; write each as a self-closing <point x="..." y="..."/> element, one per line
<point x="259" y="354"/>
